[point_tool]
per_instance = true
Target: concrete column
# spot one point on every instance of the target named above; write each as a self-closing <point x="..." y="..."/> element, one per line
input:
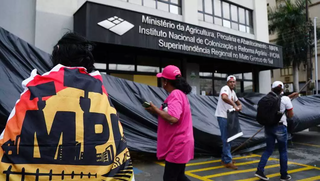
<point x="265" y="81"/>
<point x="192" y="76"/>
<point x="53" y="19"/>
<point x="18" y="17"/>
<point x="190" y="11"/>
<point x="261" y="31"/>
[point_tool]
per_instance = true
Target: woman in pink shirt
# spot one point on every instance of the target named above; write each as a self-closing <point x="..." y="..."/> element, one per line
<point x="175" y="132"/>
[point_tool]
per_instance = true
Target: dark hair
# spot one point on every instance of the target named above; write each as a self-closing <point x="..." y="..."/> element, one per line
<point x="73" y="50"/>
<point x="181" y="84"/>
<point x="277" y="90"/>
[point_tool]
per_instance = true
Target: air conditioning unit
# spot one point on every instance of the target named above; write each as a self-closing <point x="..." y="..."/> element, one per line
<point x="288" y="88"/>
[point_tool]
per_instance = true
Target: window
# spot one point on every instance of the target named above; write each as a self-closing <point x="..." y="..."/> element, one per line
<point x="206" y="87"/>
<point x="221" y="75"/>
<point x="226" y="10"/>
<point x="148" y="64"/>
<point x="100" y="66"/>
<point x="150" y="3"/>
<point x="205" y="74"/>
<point x="225" y="14"/>
<point x="226" y="23"/>
<point x="238" y="86"/>
<point x="218" y="84"/>
<point x="135" y="1"/>
<point x="247" y="86"/>
<point x="244" y="82"/>
<point x="122" y="62"/>
<point x="218" y="21"/>
<point x="208" y="18"/>
<point x="238" y="76"/>
<point x="172" y="6"/>
<point x="247" y="82"/>
<point x="208" y="6"/>
<point x="242" y="18"/>
<point x="234" y="13"/>
<point x="200" y="5"/>
<point x="247" y="76"/>
<point x="122" y="67"/>
<point x="286" y="71"/>
<point x="217" y="8"/>
<point x="163" y="6"/>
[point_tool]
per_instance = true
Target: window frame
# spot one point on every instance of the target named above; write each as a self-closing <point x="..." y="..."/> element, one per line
<point x="287" y="71"/>
<point x="247" y="20"/>
<point x="168" y="2"/>
<point x="240" y="81"/>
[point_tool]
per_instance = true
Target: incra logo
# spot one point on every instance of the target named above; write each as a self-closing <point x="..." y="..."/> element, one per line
<point x="116" y="25"/>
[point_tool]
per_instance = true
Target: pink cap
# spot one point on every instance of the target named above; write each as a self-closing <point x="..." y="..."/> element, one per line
<point x="169" y="72"/>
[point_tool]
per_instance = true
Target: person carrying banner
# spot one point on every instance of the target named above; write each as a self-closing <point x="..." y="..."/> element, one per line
<point x="227" y="100"/>
<point x="277" y="130"/>
<point x="175" y="142"/>
<point x="64" y="126"/>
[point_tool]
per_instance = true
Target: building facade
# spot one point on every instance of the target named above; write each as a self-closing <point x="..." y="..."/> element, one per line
<point x="286" y="74"/>
<point x="207" y="39"/>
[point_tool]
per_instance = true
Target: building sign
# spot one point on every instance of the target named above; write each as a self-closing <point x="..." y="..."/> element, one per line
<point x="112" y="25"/>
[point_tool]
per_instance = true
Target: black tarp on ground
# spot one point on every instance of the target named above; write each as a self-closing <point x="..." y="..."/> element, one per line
<point x="143" y="126"/>
<point x="17" y="59"/>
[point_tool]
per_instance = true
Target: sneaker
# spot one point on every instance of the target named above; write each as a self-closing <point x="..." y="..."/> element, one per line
<point x="231" y="165"/>
<point x="288" y="177"/>
<point x="261" y="175"/>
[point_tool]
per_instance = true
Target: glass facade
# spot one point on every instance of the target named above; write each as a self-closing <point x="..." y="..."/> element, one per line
<point x="286" y="71"/>
<point x="211" y="83"/>
<point x="206" y="87"/>
<point x="225" y="14"/>
<point x="138" y="66"/>
<point x="142" y="65"/>
<point x="172" y="6"/>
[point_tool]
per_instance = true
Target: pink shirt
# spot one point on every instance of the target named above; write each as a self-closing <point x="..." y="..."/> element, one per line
<point x="175" y="141"/>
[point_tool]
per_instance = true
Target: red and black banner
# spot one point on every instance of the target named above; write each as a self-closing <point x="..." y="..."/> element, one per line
<point x="64" y="127"/>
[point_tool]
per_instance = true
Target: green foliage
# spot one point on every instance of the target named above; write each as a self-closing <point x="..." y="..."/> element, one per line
<point x="289" y="22"/>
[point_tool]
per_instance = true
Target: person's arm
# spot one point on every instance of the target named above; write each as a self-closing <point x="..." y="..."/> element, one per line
<point x="289" y="107"/>
<point x="226" y="99"/>
<point x="164" y="115"/>
<point x="293" y="95"/>
<point x="290" y="113"/>
<point x="239" y="105"/>
<point x="174" y="109"/>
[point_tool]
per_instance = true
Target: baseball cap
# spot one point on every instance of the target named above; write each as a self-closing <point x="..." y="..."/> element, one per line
<point x="277" y="84"/>
<point x="169" y="72"/>
<point x="230" y="77"/>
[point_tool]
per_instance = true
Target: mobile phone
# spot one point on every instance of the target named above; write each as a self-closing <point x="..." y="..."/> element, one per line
<point x="146" y="104"/>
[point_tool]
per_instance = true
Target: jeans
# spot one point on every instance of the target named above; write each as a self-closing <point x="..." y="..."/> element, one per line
<point x="280" y="134"/>
<point x="174" y="172"/>
<point x="226" y="156"/>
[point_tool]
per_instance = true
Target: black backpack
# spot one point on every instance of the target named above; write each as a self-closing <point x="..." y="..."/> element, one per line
<point x="268" y="113"/>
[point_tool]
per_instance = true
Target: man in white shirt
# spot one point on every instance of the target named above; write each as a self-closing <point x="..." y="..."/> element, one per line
<point x="227" y="100"/>
<point x="279" y="133"/>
